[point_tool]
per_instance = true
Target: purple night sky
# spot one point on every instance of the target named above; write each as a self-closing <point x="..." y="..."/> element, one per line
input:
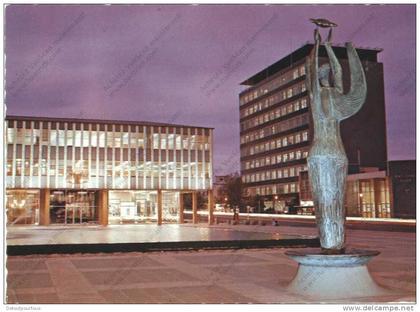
<point x="183" y="64"/>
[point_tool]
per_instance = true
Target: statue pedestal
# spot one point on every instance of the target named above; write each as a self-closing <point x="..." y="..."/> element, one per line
<point x="341" y="276"/>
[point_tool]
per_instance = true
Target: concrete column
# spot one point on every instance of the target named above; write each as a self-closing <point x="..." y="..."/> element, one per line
<point x="210" y="206"/>
<point x="181" y="208"/>
<point x="103" y="207"/>
<point x="194" y="208"/>
<point x="360" y="199"/>
<point x="376" y="197"/>
<point x="388" y="181"/>
<point x="159" y="207"/>
<point x="44" y="207"/>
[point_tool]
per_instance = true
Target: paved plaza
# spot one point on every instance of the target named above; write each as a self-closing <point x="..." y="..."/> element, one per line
<point x="218" y="276"/>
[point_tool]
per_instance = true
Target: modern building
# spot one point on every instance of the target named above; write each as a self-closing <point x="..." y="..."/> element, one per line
<point x="276" y="127"/>
<point x="70" y="171"/>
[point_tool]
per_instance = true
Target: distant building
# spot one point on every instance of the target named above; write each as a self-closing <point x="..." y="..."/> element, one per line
<point x="368" y="195"/>
<point x="374" y="193"/>
<point x="219" y="188"/>
<point x="276" y="128"/>
<point x="74" y="171"/>
<point x="402" y="176"/>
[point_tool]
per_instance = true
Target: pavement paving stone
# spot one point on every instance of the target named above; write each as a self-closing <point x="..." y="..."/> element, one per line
<point x="138" y="260"/>
<point x="25" y="265"/>
<point x="218" y="259"/>
<point x="134" y="275"/>
<point x="28" y="280"/>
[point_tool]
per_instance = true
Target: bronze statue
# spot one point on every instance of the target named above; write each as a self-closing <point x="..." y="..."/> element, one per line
<point x="327" y="161"/>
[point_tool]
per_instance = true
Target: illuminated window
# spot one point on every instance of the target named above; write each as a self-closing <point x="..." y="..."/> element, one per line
<point x="11" y="135"/>
<point x="163" y="141"/>
<point x="53" y="138"/>
<point x="266" y="117"/>
<point x="78" y="138"/>
<point x="302" y="70"/>
<point x="273" y="144"/>
<point x="85" y="138"/>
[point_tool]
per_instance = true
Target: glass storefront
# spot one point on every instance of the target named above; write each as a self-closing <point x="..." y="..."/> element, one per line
<point x="170" y="207"/>
<point x="22" y="206"/>
<point x="73" y="207"/>
<point x="368" y="198"/>
<point x="141" y="207"/>
<point x="132" y="207"/>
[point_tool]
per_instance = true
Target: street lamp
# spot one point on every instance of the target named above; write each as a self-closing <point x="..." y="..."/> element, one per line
<point x="274" y="203"/>
<point x="361" y="205"/>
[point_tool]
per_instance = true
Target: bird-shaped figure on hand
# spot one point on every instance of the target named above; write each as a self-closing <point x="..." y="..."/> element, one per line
<point x="323" y="22"/>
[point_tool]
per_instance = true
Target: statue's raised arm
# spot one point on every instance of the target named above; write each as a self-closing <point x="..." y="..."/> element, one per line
<point x="350" y="103"/>
<point x="312" y="82"/>
<point x="337" y="73"/>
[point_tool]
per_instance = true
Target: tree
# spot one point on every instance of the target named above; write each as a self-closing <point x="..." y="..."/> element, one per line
<point x="201" y="201"/>
<point x="233" y="190"/>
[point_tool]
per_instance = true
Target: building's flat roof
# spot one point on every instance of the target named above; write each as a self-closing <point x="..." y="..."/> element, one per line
<point x="366" y="175"/>
<point x="100" y="121"/>
<point x="340" y="51"/>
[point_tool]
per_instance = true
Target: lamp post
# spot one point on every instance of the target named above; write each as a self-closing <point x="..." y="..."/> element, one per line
<point x="361" y="204"/>
<point x="274" y="202"/>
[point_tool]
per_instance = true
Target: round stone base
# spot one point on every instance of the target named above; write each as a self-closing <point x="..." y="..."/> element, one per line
<point x="336" y="276"/>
